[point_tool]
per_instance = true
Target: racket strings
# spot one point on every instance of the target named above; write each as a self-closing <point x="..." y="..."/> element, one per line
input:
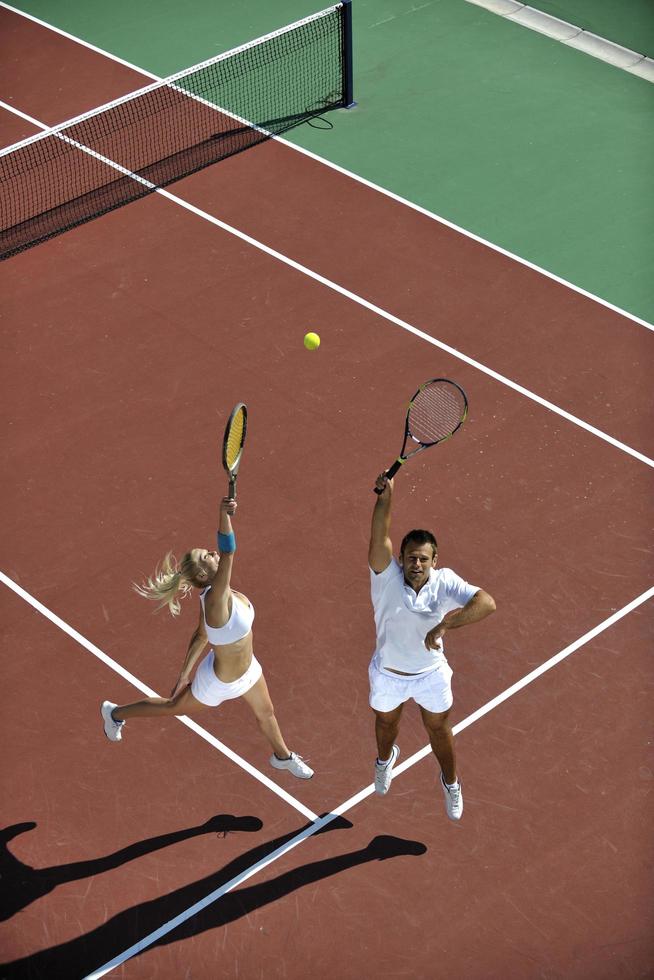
<point x="234" y="439"/>
<point x="436" y="411"/>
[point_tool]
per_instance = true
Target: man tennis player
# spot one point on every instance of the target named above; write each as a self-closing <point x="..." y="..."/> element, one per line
<point x="415" y="603"/>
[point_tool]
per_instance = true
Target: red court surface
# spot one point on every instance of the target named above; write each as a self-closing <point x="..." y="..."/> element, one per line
<point x="127" y="342"/>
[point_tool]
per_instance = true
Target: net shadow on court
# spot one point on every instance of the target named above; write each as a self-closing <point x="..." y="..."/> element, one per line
<point x="67" y="175"/>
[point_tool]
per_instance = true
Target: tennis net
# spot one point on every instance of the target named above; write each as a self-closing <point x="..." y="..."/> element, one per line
<point x="148" y="139"/>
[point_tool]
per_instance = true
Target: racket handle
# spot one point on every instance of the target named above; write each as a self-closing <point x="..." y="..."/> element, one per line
<point x="232" y="490"/>
<point x="390" y="473"/>
<point x="392" y="470"/>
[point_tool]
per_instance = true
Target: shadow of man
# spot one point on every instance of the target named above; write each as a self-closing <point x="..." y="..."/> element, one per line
<point x="78" y="957"/>
<point x="22" y="884"/>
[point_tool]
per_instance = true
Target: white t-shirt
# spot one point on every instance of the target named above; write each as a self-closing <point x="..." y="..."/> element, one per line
<point x="403" y="618"/>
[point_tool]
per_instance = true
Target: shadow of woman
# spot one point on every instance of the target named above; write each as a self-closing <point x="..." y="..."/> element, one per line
<point x="79" y="957"/>
<point x="22" y="884"/>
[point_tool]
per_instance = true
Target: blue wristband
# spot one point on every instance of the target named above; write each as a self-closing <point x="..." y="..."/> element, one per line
<point x="226" y="543"/>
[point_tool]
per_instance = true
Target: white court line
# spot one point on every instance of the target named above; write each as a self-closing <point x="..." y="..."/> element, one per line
<point x="355" y="298"/>
<point x="347" y="173"/>
<point x="348" y="805"/>
<point x="140" y="686"/>
<point x="17" y="112"/>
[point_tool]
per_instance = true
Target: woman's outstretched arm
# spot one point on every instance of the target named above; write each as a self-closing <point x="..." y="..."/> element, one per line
<point x="217" y="599"/>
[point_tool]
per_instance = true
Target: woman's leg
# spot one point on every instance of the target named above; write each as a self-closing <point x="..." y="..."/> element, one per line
<point x="258" y="699"/>
<point x="182" y="704"/>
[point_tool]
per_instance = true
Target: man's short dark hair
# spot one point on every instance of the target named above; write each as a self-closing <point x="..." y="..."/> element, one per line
<point x="419" y="537"/>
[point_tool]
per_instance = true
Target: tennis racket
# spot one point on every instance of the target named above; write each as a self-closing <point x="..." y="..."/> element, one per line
<point x="438" y="408"/>
<point x="233" y="442"/>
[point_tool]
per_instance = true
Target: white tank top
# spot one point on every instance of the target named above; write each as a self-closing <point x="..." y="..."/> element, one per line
<point x="237" y="626"/>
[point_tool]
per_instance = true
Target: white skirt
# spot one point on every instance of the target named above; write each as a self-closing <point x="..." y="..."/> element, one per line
<point x="208" y="689"/>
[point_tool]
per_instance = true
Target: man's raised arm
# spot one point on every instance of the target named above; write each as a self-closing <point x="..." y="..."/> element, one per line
<point x="380" y="552"/>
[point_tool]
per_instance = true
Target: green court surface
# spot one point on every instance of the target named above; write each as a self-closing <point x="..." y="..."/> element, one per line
<point x="531" y="145"/>
<point x="627" y="22"/>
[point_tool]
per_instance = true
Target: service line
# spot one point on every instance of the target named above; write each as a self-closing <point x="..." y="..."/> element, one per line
<point x="384" y="314"/>
<point x="355" y="298"/>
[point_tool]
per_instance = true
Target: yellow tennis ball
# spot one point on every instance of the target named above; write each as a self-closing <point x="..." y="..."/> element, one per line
<point x="311" y="341"/>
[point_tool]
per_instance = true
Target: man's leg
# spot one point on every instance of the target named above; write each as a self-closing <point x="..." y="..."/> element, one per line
<point x="387" y="725"/>
<point x="441" y="740"/>
<point x="442" y="743"/>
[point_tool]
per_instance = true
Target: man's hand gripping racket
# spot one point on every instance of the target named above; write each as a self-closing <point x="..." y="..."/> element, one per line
<point x="438" y="408"/>
<point x="233" y="442"/>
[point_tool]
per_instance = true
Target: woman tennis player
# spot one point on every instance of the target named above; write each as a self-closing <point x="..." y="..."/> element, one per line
<point x="230" y="669"/>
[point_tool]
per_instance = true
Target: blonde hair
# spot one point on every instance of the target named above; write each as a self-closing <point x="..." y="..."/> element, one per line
<point x="172" y="581"/>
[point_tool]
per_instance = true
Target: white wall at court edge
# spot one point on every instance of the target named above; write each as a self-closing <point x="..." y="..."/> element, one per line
<point x="572" y="36"/>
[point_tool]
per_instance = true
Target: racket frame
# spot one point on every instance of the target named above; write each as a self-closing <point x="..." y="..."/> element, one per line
<point x="403" y="457"/>
<point x="232" y="471"/>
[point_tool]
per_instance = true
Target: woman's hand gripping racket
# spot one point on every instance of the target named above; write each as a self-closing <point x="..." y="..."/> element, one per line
<point x="233" y="443"/>
<point x="438" y="408"/>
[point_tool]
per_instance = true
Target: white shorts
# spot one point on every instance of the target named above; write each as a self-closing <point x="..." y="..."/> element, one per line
<point x="432" y="691"/>
<point x="209" y="690"/>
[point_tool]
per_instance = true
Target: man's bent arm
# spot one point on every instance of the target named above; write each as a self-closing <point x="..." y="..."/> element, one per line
<point x="481" y="605"/>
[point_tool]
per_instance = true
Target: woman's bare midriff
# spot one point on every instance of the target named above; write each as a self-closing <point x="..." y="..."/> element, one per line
<point x="232" y="660"/>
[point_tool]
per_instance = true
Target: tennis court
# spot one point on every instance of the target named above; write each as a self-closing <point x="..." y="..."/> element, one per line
<point x="179" y="852"/>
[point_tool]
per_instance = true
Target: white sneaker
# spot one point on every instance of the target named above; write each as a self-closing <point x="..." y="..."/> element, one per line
<point x="112" y="729"/>
<point x="383" y="772"/>
<point x="294" y="764"/>
<point x="453" y="800"/>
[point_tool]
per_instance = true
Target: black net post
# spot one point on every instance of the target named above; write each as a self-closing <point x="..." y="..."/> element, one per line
<point x="348" y="70"/>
